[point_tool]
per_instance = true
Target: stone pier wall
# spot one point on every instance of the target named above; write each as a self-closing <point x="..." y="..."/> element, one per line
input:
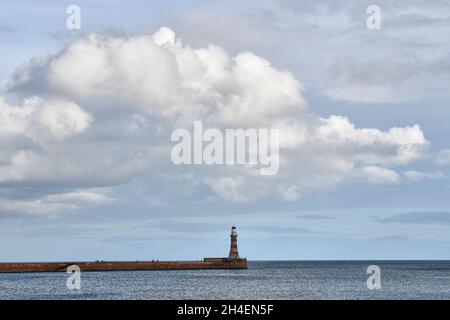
<point x="207" y="263"/>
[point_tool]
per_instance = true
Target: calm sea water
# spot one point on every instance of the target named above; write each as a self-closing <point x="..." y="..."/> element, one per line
<point x="263" y="280"/>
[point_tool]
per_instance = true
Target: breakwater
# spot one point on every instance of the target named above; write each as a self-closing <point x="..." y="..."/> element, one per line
<point x="206" y="263"/>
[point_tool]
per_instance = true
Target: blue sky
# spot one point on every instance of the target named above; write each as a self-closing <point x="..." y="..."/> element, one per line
<point x="86" y="117"/>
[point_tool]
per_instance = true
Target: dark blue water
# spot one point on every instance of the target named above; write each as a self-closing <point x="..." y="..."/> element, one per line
<point x="263" y="280"/>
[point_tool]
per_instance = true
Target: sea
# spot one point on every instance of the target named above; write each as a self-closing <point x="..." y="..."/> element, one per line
<point x="262" y="280"/>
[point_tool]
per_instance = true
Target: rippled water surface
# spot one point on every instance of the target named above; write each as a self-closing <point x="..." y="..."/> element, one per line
<point x="263" y="280"/>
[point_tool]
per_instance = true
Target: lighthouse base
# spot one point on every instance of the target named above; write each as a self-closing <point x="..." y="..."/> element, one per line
<point x="227" y="263"/>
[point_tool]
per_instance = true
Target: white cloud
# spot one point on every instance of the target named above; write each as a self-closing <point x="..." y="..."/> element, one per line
<point x="138" y="89"/>
<point x="443" y="158"/>
<point x="80" y="197"/>
<point x="159" y="75"/>
<point x="397" y="146"/>
<point x="166" y="36"/>
<point x="378" y="175"/>
<point x="234" y="189"/>
<point x="405" y="61"/>
<point x="364" y="94"/>
<point x="43" y="119"/>
<point x="374" y="81"/>
<point x="62" y="119"/>
<point x="290" y="194"/>
<point x="414" y="175"/>
<point x="54" y="203"/>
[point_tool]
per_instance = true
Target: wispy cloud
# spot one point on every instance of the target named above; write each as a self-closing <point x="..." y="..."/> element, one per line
<point x="441" y="217"/>
<point x="315" y="217"/>
<point x="190" y="227"/>
<point x="280" y="230"/>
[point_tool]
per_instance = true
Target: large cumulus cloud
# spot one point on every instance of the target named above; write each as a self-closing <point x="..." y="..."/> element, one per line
<point x="100" y="112"/>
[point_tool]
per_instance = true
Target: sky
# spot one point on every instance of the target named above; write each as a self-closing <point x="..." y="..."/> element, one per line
<point x="86" y="117"/>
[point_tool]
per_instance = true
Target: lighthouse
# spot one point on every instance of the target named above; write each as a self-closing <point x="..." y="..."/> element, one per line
<point x="233" y="246"/>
